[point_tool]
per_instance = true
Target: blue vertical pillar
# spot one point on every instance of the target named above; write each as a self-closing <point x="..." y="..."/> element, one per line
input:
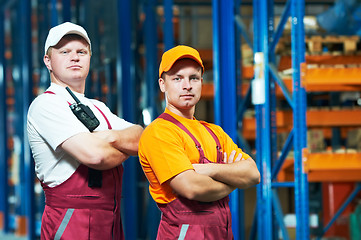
<point x="168" y="30"/>
<point x="262" y="97"/>
<point x="151" y="57"/>
<point x="4" y="152"/>
<point x="224" y="72"/>
<point x="54" y="13"/>
<point x="66" y="10"/>
<point x="126" y="108"/>
<point x="299" y="120"/>
<point x="151" y="81"/>
<point x="26" y="91"/>
<point x="259" y="118"/>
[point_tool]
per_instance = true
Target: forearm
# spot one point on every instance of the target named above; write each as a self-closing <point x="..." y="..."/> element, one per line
<point x="125" y="140"/>
<point x="241" y="174"/>
<point x="93" y="152"/>
<point x="199" y="187"/>
<point x="209" y="190"/>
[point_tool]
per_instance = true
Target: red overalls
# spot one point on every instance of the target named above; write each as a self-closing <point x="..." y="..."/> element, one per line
<point x="75" y="211"/>
<point x="188" y="219"/>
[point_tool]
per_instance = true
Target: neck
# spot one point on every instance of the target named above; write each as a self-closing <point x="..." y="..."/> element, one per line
<point x="186" y="113"/>
<point x="77" y="86"/>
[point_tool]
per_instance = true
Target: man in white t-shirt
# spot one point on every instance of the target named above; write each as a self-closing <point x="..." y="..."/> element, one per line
<point x="80" y="169"/>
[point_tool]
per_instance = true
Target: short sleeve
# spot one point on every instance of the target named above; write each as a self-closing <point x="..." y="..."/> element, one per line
<point x="162" y="150"/>
<point x="52" y="118"/>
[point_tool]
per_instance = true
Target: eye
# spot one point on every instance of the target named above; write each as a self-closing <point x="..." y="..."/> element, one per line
<point x="176" y="79"/>
<point x="83" y="52"/>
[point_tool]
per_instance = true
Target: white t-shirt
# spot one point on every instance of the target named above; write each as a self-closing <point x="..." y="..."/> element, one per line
<point x="50" y="122"/>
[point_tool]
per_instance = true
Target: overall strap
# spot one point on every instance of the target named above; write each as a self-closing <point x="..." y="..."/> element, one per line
<point x="106" y="119"/>
<point x="219" y="148"/>
<point x="171" y="119"/>
<point x="50" y="92"/>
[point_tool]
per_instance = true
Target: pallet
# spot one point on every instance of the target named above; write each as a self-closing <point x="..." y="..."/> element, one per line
<point x="336" y="45"/>
<point x="348" y="44"/>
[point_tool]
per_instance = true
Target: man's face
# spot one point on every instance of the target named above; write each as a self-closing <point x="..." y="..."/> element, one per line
<point x="182" y="84"/>
<point x="69" y="60"/>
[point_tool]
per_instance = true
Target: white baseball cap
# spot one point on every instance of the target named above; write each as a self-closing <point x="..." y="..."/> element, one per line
<point x="58" y="32"/>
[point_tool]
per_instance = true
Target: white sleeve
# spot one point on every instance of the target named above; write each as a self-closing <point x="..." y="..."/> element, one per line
<point x="53" y="119"/>
<point x="116" y="122"/>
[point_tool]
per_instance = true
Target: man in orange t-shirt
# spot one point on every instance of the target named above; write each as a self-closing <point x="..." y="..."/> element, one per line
<point x="192" y="166"/>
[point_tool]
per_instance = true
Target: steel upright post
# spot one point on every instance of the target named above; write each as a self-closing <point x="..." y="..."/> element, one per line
<point x="259" y="118"/>
<point x="54" y="13"/>
<point x="168" y="30"/>
<point x="299" y="118"/>
<point x="26" y="91"/>
<point x="151" y="52"/>
<point x="66" y="10"/>
<point x="126" y="79"/>
<point x="4" y="151"/>
<point x="224" y="73"/>
<point x="263" y="95"/>
<point x="151" y="94"/>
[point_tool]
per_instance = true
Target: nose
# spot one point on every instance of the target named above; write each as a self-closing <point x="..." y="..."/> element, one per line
<point x="74" y="56"/>
<point x="187" y="84"/>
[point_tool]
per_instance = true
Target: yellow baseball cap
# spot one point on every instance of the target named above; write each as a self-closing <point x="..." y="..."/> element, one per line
<point x="172" y="55"/>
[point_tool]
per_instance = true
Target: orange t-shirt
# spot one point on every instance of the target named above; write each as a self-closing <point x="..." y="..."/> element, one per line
<point x="165" y="150"/>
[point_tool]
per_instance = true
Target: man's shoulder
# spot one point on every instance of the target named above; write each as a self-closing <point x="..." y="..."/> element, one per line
<point x="160" y="126"/>
<point x="211" y="125"/>
<point x="44" y="99"/>
<point x="214" y="127"/>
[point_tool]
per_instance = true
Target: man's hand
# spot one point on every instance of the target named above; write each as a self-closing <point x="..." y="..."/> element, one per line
<point x="231" y="158"/>
<point x="237" y="172"/>
<point x="125" y="140"/>
<point x="209" y="169"/>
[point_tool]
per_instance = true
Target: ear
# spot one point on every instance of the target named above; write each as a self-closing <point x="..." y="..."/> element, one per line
<point x="47" y="62"/>
<point x="161" y="83"/>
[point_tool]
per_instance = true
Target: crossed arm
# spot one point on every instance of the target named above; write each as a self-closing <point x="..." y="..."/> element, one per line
<point x="104" y="149"/>
<point x="211" y="182"/>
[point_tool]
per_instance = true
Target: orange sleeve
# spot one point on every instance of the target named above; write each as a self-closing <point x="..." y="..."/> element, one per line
<point x="162" y="156"/>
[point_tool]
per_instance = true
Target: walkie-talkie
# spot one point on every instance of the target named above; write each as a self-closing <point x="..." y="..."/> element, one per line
<point x="87" y="117"/>
<point x="83" y="113"/>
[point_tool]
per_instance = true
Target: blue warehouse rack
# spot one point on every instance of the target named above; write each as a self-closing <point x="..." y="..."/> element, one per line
<point x="227" y="28"/>
<point x="269" y="212"/>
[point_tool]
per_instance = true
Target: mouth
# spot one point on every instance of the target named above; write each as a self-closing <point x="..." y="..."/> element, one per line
<point x="187" y="96"/>
<point x="74" y="67"/>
